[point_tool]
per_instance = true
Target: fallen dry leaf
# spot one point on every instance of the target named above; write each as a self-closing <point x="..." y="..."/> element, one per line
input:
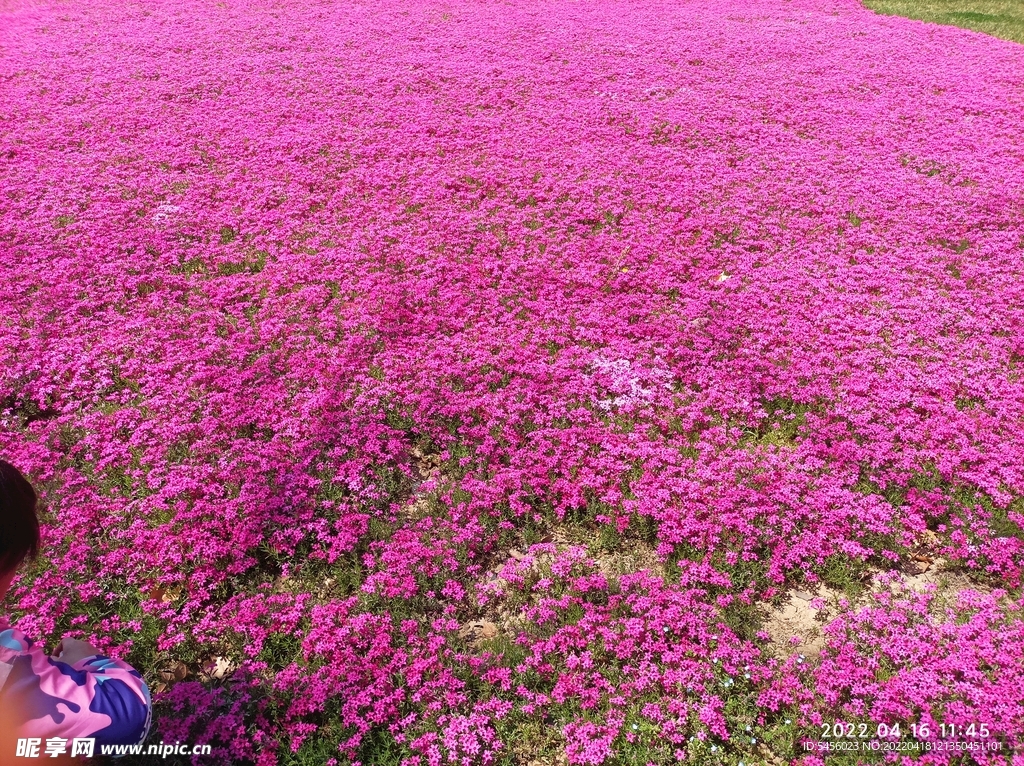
<point x="176" y="672"/>
<point x="478" y="629"/>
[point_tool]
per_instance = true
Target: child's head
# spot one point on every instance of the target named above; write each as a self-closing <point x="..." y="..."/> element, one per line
<point x="19" y="527"/>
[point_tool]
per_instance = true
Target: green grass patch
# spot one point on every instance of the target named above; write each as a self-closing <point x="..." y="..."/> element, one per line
<point x="1000" y="18"/>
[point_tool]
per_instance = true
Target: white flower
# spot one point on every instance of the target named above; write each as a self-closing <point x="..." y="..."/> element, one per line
<point x="165" y="211"/>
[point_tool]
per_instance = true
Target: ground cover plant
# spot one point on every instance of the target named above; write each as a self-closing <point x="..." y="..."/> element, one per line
<point x="471" y="382"/>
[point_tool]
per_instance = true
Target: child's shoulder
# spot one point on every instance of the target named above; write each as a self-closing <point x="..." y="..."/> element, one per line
<point x="13" y="642"/>
<point x="107" y="698"/>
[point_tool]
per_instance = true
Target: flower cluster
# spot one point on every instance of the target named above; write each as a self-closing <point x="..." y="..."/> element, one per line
<point x="907" y="658"/>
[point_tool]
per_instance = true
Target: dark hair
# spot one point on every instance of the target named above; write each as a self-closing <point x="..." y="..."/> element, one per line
<point x="19" y="527"/>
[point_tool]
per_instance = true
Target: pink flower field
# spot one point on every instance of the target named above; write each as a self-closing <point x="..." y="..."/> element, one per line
<point x="429" y="382"/>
